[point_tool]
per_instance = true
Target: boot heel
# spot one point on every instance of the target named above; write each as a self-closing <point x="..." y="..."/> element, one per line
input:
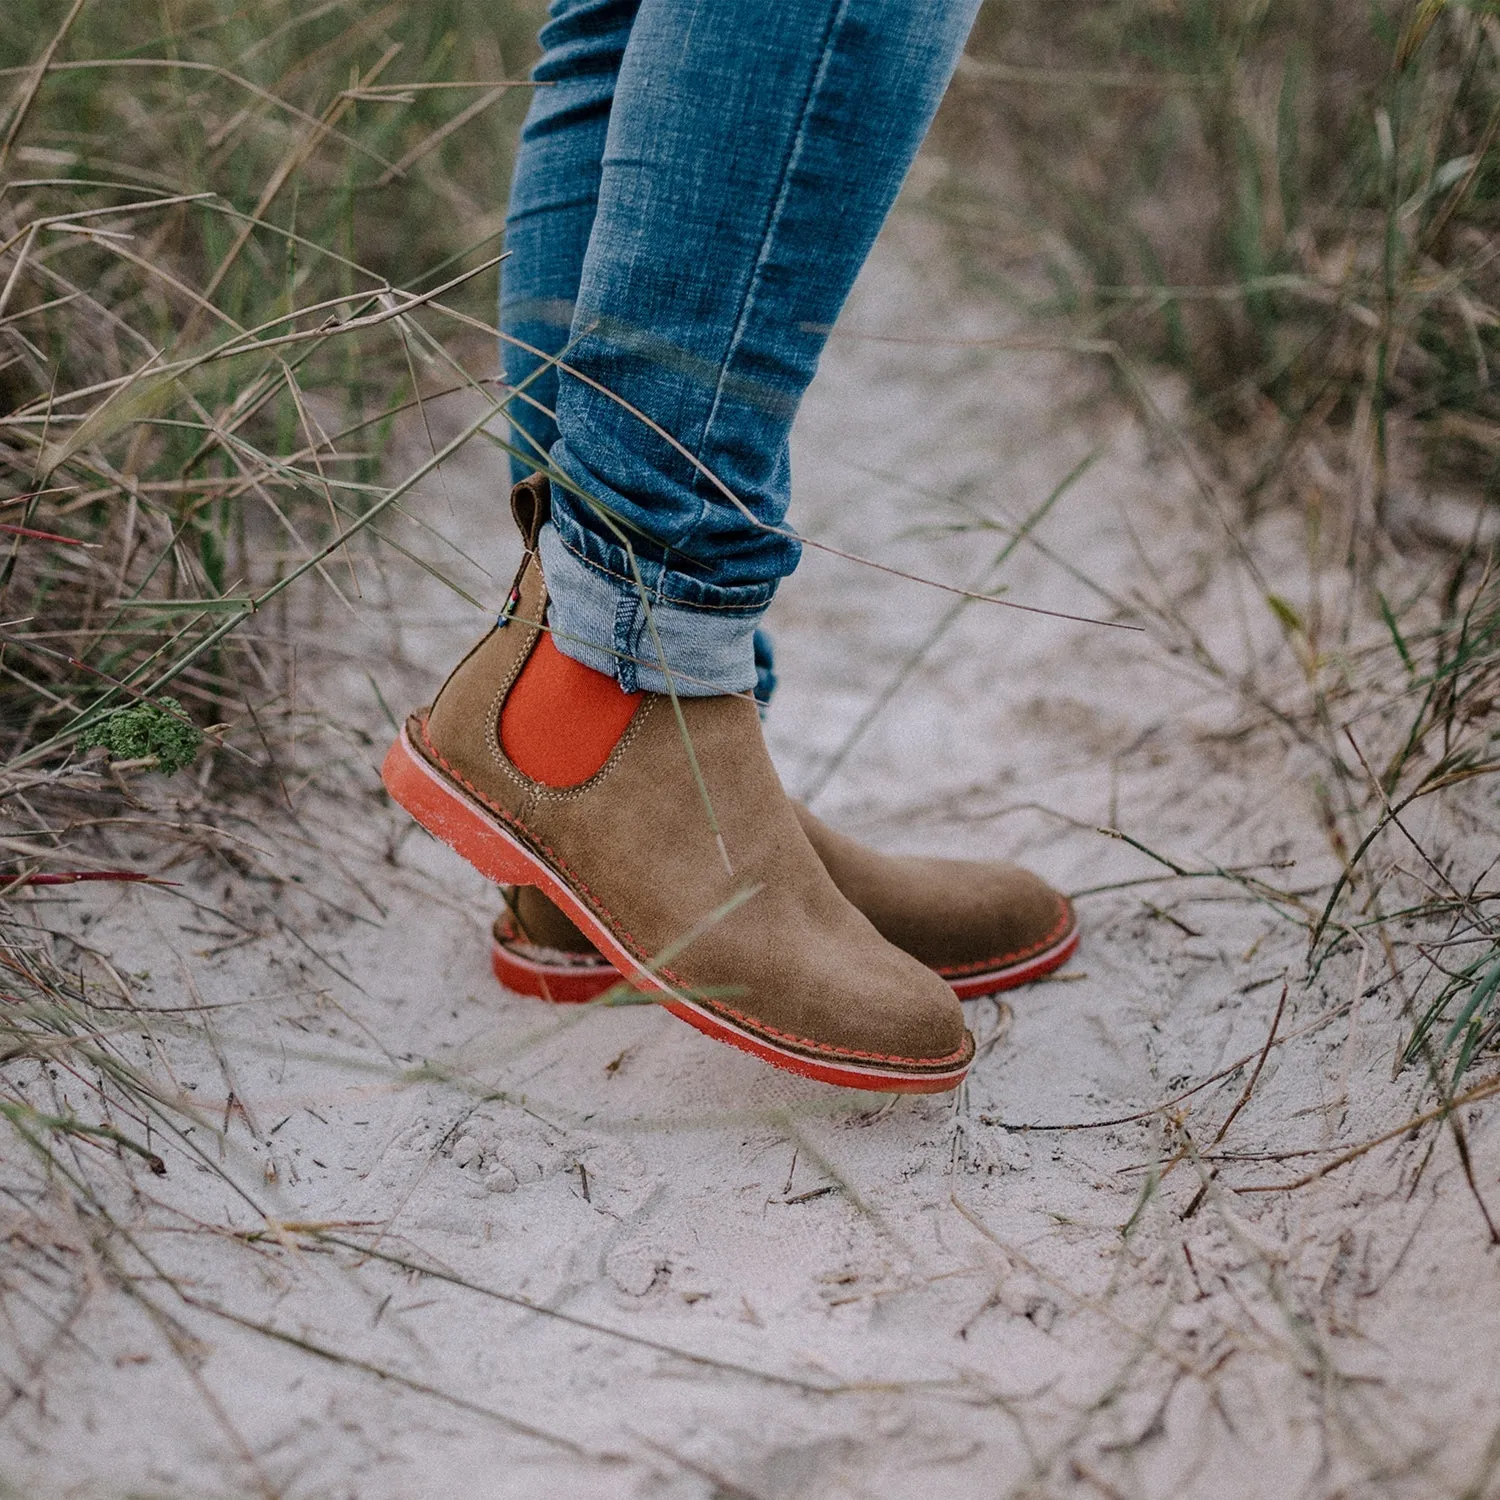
<point x="446" y="812"/>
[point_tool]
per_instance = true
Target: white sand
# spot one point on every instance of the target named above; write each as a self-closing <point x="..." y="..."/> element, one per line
<point x="768" y="1288"/>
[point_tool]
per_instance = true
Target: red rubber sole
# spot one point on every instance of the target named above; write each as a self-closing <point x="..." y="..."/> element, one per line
<point x="445" y="810"/>
<point x="562" y="984"/>
<point x="587" y="978"/>
<point x="1011" y="976"/>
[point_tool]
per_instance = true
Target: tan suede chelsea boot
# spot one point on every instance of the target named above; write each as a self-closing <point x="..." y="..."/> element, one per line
<point x="981" y="925"/>
<point x="744" y="935"/>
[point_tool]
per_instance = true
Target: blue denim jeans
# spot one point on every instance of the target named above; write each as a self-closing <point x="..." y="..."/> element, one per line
<point x="698" y="184"/>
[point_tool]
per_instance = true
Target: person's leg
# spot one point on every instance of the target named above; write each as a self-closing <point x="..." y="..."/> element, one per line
<point x="752" y="153"/>
<point x="553" y="197"/>
<point x="746" y="171"/>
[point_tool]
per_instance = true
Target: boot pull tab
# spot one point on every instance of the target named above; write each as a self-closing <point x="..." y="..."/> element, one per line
<point x="530" y="504"/>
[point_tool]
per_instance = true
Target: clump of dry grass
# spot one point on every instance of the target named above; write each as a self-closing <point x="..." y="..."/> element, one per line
<point x="1300" y="215"/>
<point x="1431" y="714"/>
<point x="234" y="246"/>
<point x="219" y="242"/>
<point x="1297" y="210"/>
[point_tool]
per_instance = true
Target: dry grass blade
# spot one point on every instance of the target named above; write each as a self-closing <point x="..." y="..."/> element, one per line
<point x="22" y="106"/>
<point x="1254" y="1077"/>
<point x="1416" y="1122"/>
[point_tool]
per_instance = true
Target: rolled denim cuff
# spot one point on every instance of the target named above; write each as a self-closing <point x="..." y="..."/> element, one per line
<point x="599" y="616"/>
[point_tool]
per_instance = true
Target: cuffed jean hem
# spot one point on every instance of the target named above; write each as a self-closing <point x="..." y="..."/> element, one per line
<point x="599" y="618"/>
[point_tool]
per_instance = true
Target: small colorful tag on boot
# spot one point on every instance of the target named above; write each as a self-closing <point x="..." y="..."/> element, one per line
<point x="513" y="599"/>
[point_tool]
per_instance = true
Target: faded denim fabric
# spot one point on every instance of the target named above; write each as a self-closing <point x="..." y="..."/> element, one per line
<point x="697" y="188"/>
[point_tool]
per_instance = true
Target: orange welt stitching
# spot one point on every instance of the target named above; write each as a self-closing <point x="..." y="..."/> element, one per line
<point x="1061" y="925"/>
<point x="802" y="1041"/>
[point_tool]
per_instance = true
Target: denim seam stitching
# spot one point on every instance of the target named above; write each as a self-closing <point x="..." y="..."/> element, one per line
<point x="794" y="154"/>
<point x="627" y="671"/>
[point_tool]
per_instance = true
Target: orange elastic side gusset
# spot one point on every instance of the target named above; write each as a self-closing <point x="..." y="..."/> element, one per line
<point x="562" y="718"/>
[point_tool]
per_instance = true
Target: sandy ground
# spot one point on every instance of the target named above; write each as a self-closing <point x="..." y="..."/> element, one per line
<point x="594" y="1254"/>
